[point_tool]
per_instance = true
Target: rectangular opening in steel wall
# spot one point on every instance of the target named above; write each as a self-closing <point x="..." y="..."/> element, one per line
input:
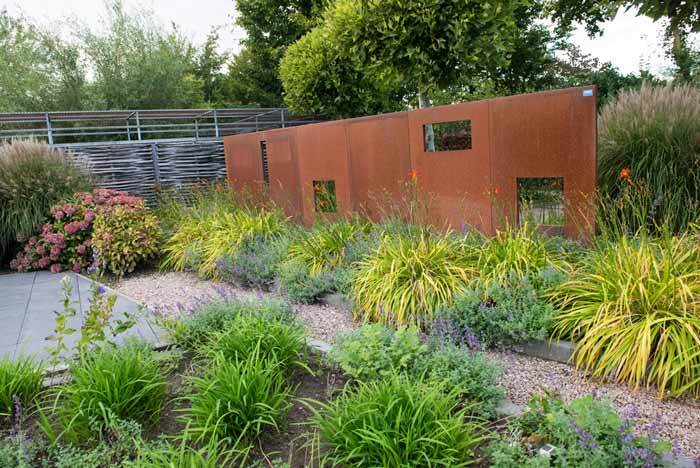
<point x="324" y="196"/>
<point x="541" y="203"/>
<point x="265" y="166"/>
<point x="455" y="135"/>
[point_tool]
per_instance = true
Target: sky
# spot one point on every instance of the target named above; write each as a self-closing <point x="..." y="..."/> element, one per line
<point x="627" y="41"/>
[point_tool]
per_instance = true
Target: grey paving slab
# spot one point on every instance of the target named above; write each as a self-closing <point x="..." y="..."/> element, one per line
<point x="28" y="302"/>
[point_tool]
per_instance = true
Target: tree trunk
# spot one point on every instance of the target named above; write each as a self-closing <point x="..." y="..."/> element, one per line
<point x="429" y="134"/>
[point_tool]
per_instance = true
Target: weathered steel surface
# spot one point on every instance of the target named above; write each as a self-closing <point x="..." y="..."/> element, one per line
<point x="550" y="134"/>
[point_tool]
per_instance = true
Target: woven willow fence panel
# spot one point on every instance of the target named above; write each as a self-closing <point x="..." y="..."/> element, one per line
<point x="140" y="168"/>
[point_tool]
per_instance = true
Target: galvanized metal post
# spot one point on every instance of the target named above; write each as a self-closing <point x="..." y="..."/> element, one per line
<point x="257" y="129"/>
<point x="196" y="129"/>
<point x="49" y="130"/>
<point x="282" y="116"/>
<point x="216" y="125"/>
<point x="156" y="162"/>
<point x="128" y="130"/>
<point x="138" y="125"/>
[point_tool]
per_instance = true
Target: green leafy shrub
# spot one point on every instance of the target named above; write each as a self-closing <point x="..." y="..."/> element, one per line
<point x="506" y="312"/>
<point x="374" y="351"/>
<point x="239" y="399"/>
<point x="648" y="142"/>
<point x="124" y="237"/>
<point x="123" y="382"/>
<point x="632" y="309"/>
<point x="203" y="238"/>
<point x="300" y="285"/>
<point x="272" y="337"/>
<point x="33" y="178"/>
<point x="210" y="319"/>
<point x="472" y="375"/>
<point x="22" y="377"/>
<point x="256" y="262"/>
<point x="408" y="278"/>
<point x="586" y="433"/>
<point x="66" y="242"/>
<point x="396" y="422"/>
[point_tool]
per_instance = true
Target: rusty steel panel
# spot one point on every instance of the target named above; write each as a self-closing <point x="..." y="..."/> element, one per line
<point x="379" y="160"/>
<point x="550" y="134"/>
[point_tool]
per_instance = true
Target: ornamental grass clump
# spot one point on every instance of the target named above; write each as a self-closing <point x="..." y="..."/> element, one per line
<point x="632" y="308"/>
<point x="202" y="239"/>
<point x="20" y="379"/>
<point x="324" y="247"/>
<point x="407" y="279"/>
<point x="648" y="140"/>
<point x="33" y="178"/>
<point x="238" y="400"/>
<point x="125" y="382"/>
<point x="396" y="421"/>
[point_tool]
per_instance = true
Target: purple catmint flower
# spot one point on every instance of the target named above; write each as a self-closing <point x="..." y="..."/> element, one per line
<point x="101" y="290"/>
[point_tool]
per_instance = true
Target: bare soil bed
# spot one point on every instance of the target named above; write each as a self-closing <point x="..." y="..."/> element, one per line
<point x="675" y="420"/>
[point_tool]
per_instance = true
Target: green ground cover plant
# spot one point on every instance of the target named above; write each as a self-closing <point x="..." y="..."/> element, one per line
<point x="375" y="351"/>
<point x="396" y="421"/>
<point x="300" y="285"/>
<point x="20" y="378"/>
<point x="33" y="178"/>
<point x="585" y="432"/>
<point x="632" y="309"/>
<point x="505" y="312"/>
<point x="256" y="263"/>
<point x="472" y="375"/>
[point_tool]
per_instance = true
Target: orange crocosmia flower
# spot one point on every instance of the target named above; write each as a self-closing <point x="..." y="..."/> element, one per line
<point x="413" y="174"/>
<point x="496" y="190"/>
<point x="625" y="173"/>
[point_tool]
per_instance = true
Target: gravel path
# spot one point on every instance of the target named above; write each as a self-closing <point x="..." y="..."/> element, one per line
<point x="173" y="293"/>
<point x="676" y="420"/>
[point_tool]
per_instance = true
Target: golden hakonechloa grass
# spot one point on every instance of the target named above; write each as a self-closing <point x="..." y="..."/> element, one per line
<point x="408" y="278"/>
<point x="633" y="308"/>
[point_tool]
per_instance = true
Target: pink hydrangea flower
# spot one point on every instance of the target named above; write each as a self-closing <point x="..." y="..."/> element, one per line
<point x="43" y="262"/>
<point x="81" y="249"/>
<point x="40" y="249"/>
<point x="55" y="268"/>
<point x="76" y="267"/>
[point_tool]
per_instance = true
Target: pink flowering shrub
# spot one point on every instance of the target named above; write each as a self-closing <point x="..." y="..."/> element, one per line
<point x="65" y="243"/>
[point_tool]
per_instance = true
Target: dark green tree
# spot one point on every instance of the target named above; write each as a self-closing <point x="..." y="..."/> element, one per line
<point x="271" y="26"/>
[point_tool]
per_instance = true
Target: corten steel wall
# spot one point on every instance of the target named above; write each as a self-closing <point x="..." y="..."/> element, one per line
<point x="549" y="134"/>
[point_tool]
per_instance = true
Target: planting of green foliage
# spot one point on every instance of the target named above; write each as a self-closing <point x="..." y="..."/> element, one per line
<point x="396" y="421"/>
<point x="203" y="238"/>
<point x="124" y="382"/>
<point x="374" y="351"/>
<point x="471" y="374"/>
<point x="323" y="248"/>
<point x="125" y="237"/>
<point x="648" y="142"/>
<point x="272" y="338"/>
<point x="584" y="433"/>
<point x="522" y="251"/>
<point x="632" y="309"/>
<point x="33" y="178"/>
<point x="239" y="399"/>
<point x="211" y="319"/>
<point x="256" y="263"/>
<point x="505" y="312"/>
<point x="21" y="377"/>
<point x="214" y="454"/>
<point x="16" y="452"/>
<point x="301" y="286"/>
<point x="408" y="278"/>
